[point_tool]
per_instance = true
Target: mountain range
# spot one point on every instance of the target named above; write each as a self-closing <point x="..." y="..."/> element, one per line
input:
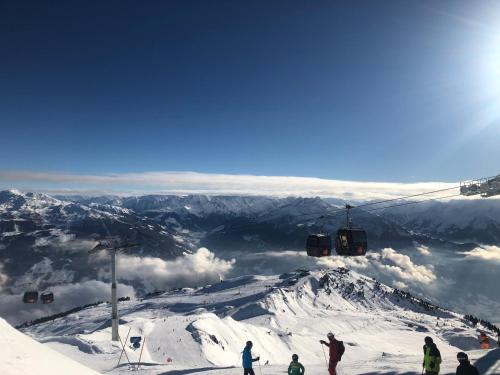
<point x="45" y="240"/>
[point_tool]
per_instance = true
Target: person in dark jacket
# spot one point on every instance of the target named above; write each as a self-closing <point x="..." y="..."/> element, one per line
<point x="336" y="351"/>
<point x="465" y="368"/>
<point x="248" y="360"/>
<point x="296" y="367"/>
<point x="432" y="357"/>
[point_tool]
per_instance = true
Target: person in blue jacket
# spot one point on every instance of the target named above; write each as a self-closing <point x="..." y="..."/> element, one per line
<point x="248" y="360"/>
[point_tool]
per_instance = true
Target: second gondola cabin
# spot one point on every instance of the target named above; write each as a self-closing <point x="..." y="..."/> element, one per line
<point x="30" y="297"/>
<point x="319" y="245"/>
<point x="47" y="297"/>
<point x="351" y="242"/>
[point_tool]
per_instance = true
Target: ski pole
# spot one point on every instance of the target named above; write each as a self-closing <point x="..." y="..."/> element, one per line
<point x="140" y="356"/>
<point x="123" y="347"/>
<point x="260" y="369"/>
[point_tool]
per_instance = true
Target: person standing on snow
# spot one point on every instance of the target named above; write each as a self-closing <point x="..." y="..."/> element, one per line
<point x="296" y="367"/>
<point x="484" y="341"/>
<point x="432" y="357"/>
<point x="336" y="351"/>
<point x="465" y="368"/>
<point x="248" y="360"/>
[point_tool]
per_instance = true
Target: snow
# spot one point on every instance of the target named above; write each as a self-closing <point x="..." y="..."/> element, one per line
<point x="204" y="330"/>
<point x="23" y="355"/>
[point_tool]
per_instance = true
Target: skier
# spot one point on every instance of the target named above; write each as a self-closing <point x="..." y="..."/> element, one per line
<point x="465" y="368"/>
<point x="248" y="360"/>
<point x="336" y="351"/>
<point x="432" y="357"/>
<point x="296" y="367"/>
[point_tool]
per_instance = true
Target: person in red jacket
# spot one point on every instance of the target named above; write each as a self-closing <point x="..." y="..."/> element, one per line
<point x="336" y="351"/>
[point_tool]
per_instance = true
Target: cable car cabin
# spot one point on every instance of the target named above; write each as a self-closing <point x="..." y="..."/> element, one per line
<point x="30" y="297"/>
<point x="351" y="242"/>
<point x="47" y="297"/>
<point x="319" y="245"/>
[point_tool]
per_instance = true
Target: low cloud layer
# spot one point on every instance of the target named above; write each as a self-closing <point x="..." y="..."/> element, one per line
<point x="431" y="273"/>
<point x="485" y="253"/>
<point x="3" y="278"/>
<point x="388" y="266"/>
<point x="206" y="183"/>
<point x="402" y="267"/>
<point x="66" y="242"/>
<point x="145" y="273"/>
<point x="191" y="270"/>
<point x="67" y="296"/>
<point x="424" y="250"/>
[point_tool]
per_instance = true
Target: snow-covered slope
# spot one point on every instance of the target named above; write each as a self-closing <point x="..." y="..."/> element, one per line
<point x="203" y="330"/>
<point x="23" y="355"/>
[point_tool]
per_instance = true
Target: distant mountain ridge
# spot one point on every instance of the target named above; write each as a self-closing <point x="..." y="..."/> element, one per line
<point x="457" y="220"/>
<point x="44" y="240"/>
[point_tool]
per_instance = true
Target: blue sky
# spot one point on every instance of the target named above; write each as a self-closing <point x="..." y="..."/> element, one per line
<point x="390" y="91"/>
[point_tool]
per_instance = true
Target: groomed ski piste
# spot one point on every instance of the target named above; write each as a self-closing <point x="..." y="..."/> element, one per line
<point x="204" y="330"/>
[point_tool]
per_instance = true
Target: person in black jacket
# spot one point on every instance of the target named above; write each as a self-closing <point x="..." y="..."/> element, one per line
<point x="465" y="368"/>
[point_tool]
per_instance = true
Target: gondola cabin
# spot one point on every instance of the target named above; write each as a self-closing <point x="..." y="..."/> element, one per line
<point x="319" y="245"/>
<point x="47" y="297"/>
<point x="351" y="242"/>
<point x="30" y="297"/>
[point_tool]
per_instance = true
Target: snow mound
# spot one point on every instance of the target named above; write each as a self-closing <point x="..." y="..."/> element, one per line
<point x="22" y="355"/>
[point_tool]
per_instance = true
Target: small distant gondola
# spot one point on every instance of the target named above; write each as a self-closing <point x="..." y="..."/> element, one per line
<point x="47" y="297"/>
<point x="30" y="297"/>
<point x="319" y="245"/>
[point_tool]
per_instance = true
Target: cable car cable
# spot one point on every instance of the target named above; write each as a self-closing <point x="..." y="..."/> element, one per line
<point x="416" y="202"/>
<point x="406" y="197"/>
<point x="343" y="209"/>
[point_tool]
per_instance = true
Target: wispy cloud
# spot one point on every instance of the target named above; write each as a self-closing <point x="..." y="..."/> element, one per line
<point x="207" y="183"/>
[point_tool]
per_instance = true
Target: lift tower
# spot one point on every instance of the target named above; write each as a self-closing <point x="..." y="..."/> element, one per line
<point x="114" y="245"/>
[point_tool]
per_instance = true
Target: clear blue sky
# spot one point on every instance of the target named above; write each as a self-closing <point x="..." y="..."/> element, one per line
<point x="356" y="90"/>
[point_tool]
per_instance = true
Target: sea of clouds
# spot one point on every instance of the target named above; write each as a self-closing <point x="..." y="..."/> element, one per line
<point x="464" y="282"/>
